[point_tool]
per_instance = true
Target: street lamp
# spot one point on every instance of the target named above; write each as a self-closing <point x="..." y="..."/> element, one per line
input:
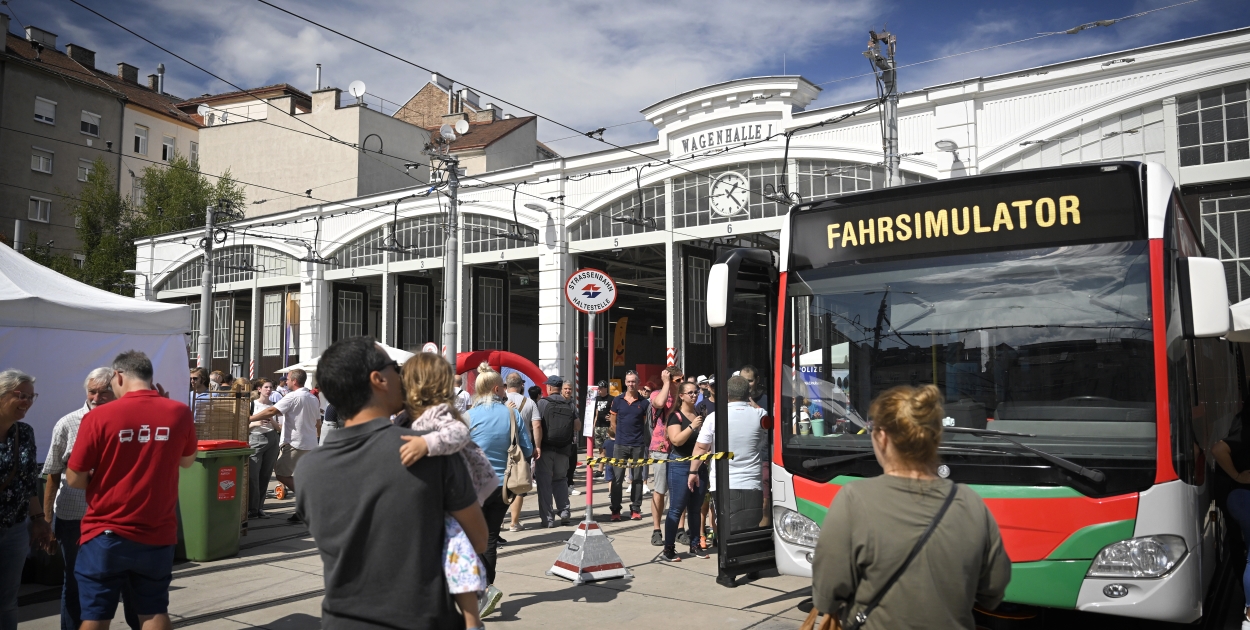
<point x="147" y="285"/>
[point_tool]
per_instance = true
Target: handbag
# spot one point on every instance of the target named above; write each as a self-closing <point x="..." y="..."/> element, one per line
<point x="516" y="475"/>
<point x="829" y="622"/>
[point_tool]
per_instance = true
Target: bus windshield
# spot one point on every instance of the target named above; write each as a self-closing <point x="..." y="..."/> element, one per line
<point x="1054" y="344"/>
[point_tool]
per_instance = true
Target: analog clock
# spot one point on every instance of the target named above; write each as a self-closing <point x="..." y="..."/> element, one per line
<point x="729" y="194"/>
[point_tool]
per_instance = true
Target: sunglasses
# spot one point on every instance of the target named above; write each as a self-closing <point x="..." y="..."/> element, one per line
<point x="389" y="364"/>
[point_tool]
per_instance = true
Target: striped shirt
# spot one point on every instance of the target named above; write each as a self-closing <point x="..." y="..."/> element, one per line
<point x="71" y="503"/>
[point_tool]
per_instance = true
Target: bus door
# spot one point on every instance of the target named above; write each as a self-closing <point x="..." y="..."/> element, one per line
<point x="743" y="347"/>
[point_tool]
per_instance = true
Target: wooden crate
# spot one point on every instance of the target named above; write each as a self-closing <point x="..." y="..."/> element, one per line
<point x="225" y="417"/>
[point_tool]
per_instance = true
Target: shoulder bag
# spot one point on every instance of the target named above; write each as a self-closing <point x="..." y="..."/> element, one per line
<point x="829" y="622"/>
<point x="516" y="476"/>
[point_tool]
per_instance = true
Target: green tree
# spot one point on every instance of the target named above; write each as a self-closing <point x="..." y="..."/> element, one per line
<point x="175" y="197"/>
<point x="107" y="227"/>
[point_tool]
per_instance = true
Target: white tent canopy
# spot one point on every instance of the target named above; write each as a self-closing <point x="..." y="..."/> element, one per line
<point x="311" y="365"/>
<point x="58" y="329"/>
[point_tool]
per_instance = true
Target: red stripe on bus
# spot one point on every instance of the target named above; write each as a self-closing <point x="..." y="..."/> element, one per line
<point x="1164" y="471"/>
<point x="1032" y="528"/>
<point x="779" y="366"/>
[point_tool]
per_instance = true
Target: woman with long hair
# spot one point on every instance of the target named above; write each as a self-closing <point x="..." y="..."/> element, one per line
<point x="682" y="427"/>
<point x="874" y="524"/>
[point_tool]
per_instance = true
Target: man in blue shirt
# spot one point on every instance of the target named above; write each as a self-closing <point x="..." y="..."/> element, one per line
<point x="628" y="424"/>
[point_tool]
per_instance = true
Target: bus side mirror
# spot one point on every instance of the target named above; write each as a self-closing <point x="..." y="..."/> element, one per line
<point x="1204" y="297"/>
<point x="718" y="295"/>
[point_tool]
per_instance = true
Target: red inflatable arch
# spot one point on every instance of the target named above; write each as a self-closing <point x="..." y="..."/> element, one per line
<point x="498" y="359"/>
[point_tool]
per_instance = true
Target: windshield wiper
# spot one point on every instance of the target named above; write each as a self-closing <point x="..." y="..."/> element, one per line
<point x="1097" y="476"/>
<point x="955" y="450"/>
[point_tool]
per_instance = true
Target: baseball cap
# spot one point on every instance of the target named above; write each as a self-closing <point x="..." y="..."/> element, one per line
<point x="555" y="380"/>
<point x="701" y="380"/>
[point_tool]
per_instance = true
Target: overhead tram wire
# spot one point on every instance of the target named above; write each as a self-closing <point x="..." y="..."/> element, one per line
<point x="328" y="136"/>
<point x="494" y="96"/>
<point x="1072" y="31"/>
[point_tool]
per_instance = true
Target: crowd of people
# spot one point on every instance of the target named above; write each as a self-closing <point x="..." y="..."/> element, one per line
<point x="396" y="440"/>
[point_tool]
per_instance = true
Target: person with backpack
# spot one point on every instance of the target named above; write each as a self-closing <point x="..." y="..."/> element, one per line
<point x="872" y="566"/>
<point x="554" y="434"/>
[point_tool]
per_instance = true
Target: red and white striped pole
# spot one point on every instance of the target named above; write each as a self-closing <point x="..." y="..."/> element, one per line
<point x="590" y="439"/>
<point x="251" y="369"/>
<point x="672" y="357"/>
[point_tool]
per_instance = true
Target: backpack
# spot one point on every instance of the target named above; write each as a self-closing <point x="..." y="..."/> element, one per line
<point x="559" y="420"/>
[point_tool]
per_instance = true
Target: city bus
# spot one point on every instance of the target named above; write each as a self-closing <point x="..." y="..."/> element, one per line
<point x="1079" y="334"/>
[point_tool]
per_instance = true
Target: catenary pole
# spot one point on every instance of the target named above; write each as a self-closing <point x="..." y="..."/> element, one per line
<point x="205" y="354"/>
<point x="889" y="79"/>
<point x="451" y="269"/>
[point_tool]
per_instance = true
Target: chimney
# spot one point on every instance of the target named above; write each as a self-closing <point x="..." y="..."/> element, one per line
<point x="326" y="98"/>
<point x="452" y="119"/>
<point x="318" y="77"/>
<point x="490" y="113"/>
<point x="470" y="97"/>
<point x="36" y="34"/>
<point x="154" y="83"/>
<point x="127" y="72"/>
<point x="508" y="116"/>
<point x="81" y="55"/>
<point x="160" y="78"/>
<point x="4" y="21"/>
<point x="441" y="81"/>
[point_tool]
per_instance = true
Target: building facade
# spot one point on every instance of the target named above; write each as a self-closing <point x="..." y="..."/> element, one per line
<point x="654" y="215"/>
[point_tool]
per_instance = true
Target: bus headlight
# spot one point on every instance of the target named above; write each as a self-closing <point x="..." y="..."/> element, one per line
<point x="1145" y="557"/>
<point x="795" y="528"/>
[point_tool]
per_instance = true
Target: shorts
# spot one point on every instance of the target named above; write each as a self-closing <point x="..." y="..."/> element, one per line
<point x="108" y="564"/>
<point x="601" y="434"/>
<point x="659" y="472"/>
<point x="288" y="456"/>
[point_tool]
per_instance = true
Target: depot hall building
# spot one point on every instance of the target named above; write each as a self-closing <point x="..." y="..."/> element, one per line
<point x="287" y="285"/>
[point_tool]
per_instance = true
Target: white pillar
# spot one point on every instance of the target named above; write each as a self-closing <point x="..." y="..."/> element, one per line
<point x="674" y="322"/>
<point x="387" y="333"/>
<point x="556" y="335"/>
<point x="1171" y="146"/>
<point x="254" y="324"/>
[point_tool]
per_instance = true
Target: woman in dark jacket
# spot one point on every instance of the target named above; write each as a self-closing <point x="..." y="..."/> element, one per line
<point x="874" y="523"/>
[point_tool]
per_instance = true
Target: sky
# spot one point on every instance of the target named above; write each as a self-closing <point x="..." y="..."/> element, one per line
<point x="589" y="64"/>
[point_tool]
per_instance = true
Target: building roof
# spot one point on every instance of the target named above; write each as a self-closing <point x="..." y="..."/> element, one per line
<point x="56" y="61"/>
<point x="484" y="134"/>
<point x="267" y="92"/>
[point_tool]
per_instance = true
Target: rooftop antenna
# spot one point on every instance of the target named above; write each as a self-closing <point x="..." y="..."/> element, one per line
<point x="357" y="88"/>
<point x="462" y="127"/>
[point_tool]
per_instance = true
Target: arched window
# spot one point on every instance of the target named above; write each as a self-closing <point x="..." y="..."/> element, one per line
<point x="599" y="223"/>
<point x="422" y="236"/>
<point x="232" y="264"/>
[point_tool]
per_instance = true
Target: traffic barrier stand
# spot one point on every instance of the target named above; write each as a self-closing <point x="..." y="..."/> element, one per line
<point x="589" y="556"/>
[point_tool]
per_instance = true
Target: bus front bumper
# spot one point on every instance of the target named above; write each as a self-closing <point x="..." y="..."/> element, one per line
<point x="1175" y="597"/>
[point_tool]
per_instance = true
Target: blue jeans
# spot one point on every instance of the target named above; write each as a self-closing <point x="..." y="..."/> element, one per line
<point x="14" y="547"/>
<point x="1239" y="508"/>
<point x="681" y="498"/>
<point x="67" y="533"/>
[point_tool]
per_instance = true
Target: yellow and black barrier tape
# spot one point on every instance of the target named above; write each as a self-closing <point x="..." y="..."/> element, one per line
<point x="634" y="463"/>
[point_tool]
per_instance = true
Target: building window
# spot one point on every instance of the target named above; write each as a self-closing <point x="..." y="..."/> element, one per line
<point x="1211" y="126"/>
<point x="490" y="313"/>
<point x="415" y="322"/>
<point x="167" y="148"/>
<point x="79" y="260"/>
<point x="486" y="234"/>
<point x="696" y="297"/>
<point x="40" y="210"/>
<point x="141" y="140"/>
<point x="193" y="341"/>
<point x="136" y="193"/>
<point x="271" y="341"/>
<point x="421" y="237"/>
<point x="692" y="195"/>
<point x="221" y="329"/>
<point x="232" y="264"/>
<point x="41" y="160"/>
<point x="195" y="152"/>
<point x="599" y="224"/>
<point x="240" y="341"/>
<point x="45" y="110"/>
<point x="351" y="314"/>
<point x="84" y="169"/>
<point x="1225" y="231"/>
<point x="90" y="124"/>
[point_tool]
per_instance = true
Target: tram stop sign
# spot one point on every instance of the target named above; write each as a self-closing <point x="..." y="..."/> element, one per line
<point x="590" y="291"/>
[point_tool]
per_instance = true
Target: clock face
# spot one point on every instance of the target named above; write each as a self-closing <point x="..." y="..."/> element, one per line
<point x="729" y="194"/>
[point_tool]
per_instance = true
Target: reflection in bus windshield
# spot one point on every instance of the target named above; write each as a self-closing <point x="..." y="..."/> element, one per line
<point x="1053" y="342"/>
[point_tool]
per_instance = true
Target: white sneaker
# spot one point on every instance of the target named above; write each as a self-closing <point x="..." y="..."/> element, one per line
<point x="576" y="492"/>
<point x="489" y="600"/>
<point x="1245" y="624"/>
<point x="645" y="489"/>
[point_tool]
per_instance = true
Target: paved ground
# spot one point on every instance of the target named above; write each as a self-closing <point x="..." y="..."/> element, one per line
<point x="275" y="583"/>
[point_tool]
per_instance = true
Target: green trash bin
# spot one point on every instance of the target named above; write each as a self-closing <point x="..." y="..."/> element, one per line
<point x="209" y="496"/>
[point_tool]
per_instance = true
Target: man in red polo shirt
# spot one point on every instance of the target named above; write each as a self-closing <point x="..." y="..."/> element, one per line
<point x="127" y="457"/>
